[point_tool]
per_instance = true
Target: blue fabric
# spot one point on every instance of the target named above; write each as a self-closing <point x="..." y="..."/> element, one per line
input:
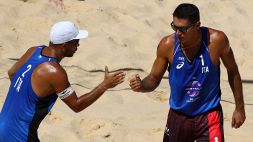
<point x="22" y="107"/>
<point x="195" y="85"/>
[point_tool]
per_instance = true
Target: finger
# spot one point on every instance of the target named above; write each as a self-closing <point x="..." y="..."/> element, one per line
<point x="134" y="83"/>
<point x="233" y="122"/>
<point x="135" y="86"/>
<point x="106" y="70"/>
<point x="119" y="78"/>
<point x="236" y="125"/>
<point x="132" y="80"/>
<point x="240" y="123"/>
<point x="118" y="73"/>
<point x="137" y="76"/>
<point x="135" y="79"/>
<point x="131" y="86"/>
<point x="119" y="82"/>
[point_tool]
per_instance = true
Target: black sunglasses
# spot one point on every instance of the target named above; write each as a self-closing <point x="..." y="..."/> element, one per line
<point x="183" y="29"/>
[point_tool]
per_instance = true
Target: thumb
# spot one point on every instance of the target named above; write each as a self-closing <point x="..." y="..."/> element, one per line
<point x="137" y="76"/>
<point x="106" y="70"/>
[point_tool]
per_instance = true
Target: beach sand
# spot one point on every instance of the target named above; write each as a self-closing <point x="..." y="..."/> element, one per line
<point x="123" y="35"/>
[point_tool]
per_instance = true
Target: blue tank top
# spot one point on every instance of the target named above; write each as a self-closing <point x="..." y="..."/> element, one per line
<point x="23" y="110"/>
<point x="195" y="85"/>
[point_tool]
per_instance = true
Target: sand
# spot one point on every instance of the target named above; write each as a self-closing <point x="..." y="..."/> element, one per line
<point x="123" y="34"/>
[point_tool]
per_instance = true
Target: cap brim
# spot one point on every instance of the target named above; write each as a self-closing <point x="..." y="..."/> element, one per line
<point x="82" y="34"/>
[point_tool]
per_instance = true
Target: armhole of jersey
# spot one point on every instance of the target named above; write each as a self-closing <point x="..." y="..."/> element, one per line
<point x="204" y="31"/>
<point x="205" y="36"/>
<point x="176" y="45"/>
<point x="31" y="56"/>
<point x="175" y="50"/>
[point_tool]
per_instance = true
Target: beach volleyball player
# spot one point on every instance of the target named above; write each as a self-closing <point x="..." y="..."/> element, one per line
<point x="193" y="55"/>
<point x="37" y="80"/>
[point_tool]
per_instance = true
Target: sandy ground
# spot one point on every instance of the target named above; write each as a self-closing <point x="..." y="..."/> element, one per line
<point x="123" y="34"/>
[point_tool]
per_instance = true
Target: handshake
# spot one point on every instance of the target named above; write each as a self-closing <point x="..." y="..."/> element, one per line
<point x="113" y="79"/>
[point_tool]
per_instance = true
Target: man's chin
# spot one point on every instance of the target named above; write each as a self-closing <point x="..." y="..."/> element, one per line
<point x="69" y="55"/>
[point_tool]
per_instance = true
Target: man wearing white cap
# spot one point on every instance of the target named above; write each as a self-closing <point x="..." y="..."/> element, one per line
<point x="38" y="79"/>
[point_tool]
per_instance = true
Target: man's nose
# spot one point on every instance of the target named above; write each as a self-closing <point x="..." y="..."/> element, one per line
<point x="178" y="32"/>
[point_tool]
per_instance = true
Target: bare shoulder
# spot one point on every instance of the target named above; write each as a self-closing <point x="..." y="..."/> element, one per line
<point x="51" y="71"/>
<point x="27" y="55"/>
<point x="218" y="44"/>
<point x="30" y="51"/>
<point x="167" y="42"/>
<point x="48" y="78"/>
<point x="21" y="61"/>
<point x="166" y="47"/>
<point x="218" y="37"/>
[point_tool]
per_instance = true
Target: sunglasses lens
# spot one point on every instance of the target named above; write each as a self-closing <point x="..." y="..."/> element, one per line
<point x="173" y="27"/>
<point x="183" y="29"/>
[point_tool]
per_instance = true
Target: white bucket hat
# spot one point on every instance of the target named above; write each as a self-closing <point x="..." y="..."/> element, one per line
<point x="65" y="31"/>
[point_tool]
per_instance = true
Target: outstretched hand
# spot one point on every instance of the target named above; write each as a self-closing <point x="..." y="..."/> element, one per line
<point x="135" y="83"/>
<point x="113" y="79"/>
<point x="238" y="118"/>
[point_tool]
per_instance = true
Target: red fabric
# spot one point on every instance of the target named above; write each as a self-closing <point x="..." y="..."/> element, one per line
<point x="214" y="127"/>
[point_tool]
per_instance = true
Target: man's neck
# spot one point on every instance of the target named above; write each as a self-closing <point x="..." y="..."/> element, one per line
<point x="52" y="52"/>
<point x="192" y="49"/>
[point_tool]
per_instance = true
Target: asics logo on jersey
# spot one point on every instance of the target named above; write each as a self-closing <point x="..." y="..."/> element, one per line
<point x="180" y="65"/>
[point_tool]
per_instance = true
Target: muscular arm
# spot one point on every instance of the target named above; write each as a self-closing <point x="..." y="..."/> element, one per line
<point x="234" y="79"/>
<point x="20" y="62"/>
<point x="78" y="104"/>
<point x="159" y="67"/>
<point x="59" y="82"/>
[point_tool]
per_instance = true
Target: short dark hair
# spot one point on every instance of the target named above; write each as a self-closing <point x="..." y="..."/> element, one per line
<point x="187" y="11"/>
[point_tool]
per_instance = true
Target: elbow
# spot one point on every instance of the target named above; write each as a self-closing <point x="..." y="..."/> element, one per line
<point x="10" y="74"/>
<point x="77" y="108"/>
<point x="78" y="105"/>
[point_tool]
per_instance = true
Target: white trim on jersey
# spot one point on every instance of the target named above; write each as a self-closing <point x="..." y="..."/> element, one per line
<point x="205" y="46"/>
<point x="178" y="45"/>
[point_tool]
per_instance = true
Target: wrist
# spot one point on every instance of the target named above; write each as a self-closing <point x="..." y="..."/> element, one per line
<point x="239" y="107"/>
<point x="104" y="86"/>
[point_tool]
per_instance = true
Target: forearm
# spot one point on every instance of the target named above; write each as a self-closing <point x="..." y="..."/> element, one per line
<point x="149" y="83"/>
<point x="236" y="86"/>
<point x="87" y="99"/>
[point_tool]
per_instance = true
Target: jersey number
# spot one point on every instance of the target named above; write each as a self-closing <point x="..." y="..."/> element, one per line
<point x="202" y="60"/>
<point x="20" y="78"/>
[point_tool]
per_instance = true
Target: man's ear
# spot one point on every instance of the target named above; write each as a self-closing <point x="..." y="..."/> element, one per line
<point x="65" y="45"/>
